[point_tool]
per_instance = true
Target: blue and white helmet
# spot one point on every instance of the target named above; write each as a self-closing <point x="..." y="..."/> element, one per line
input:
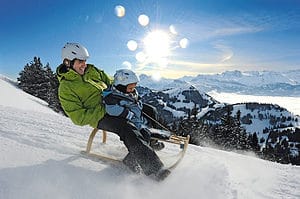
<point x="74" y="51"/>
<point x="125" y="77"/>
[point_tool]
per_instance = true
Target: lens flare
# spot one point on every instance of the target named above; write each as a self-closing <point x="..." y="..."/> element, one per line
<point x="132" y="45"/>
<point x="127" y="64"/>
<point x="183" y="43"/>
<point x="173" y="29"/>
<point x="120" y="11"/>
<point x="155" y="49"/>
<point x="143" y="20"/>
<point x="140" y="57"/>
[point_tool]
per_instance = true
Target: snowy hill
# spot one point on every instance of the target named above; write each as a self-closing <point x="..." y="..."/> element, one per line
<point x="250" y="82"/>
<point x="12" y="96"/>
<point x="264" y="120"/>
<point x="40" y="158"/>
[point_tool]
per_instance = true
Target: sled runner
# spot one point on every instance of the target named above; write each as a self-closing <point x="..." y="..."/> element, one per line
<point x="161" y="135"/>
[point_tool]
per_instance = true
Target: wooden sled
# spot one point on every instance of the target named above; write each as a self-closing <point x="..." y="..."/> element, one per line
<point x="173" y="139"/>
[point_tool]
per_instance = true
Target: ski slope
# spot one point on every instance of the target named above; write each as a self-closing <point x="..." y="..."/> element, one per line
<point x="40" y="158"/>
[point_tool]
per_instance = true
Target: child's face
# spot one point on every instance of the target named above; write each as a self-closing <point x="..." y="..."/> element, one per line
<point x="130" y="88"/>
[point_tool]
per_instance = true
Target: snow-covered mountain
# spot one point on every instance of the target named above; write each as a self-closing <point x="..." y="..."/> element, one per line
<point x="40" y="158"/>
<point x="269" y="124"/>
<point x="250" y="82"/>
<point x="178" y="102"/>
<point x="274" y="126"/>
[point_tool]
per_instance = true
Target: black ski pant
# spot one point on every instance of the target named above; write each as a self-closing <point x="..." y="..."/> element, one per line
<point x="138" y="149"/>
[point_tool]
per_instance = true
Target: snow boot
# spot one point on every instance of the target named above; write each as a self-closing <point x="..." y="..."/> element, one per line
<point x="162" y="174"/>
<point x="132" y="164"/>
<point x="156" y="145"/>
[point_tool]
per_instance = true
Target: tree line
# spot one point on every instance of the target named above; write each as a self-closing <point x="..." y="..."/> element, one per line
<point x="40" y="81"/>
<point x="281" y="145"/>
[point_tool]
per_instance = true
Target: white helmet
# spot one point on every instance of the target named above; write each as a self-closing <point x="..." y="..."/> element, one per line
<point x="74" y="51"/>
<point x="125" y="77"/>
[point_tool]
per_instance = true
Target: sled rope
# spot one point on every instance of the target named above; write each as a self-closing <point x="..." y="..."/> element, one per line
<point x="159" y="124"/>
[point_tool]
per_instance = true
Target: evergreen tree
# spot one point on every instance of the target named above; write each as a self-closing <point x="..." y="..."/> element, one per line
<point x="33" y="79"/>
<point x="194" y="111"/>
<point x="253" y="140"/>
<point x="53" y="100"/>
<point x="40" y="82"/>
<point x="238" y="115"/>
<point x="230" y="134"/>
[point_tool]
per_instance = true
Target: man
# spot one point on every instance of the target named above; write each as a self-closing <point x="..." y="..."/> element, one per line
<point x="80" y="90"/>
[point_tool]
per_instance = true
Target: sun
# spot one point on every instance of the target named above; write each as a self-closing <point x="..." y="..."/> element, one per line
<point x="157" y="45"/>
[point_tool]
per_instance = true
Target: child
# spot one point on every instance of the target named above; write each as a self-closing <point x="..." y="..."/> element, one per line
<point x="122" y="100"/>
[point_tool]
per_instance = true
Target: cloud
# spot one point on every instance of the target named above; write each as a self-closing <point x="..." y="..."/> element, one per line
<point x="235" y="30"/>
<point x="210" y="27"/>
<point x="179" y="68"/>
<point x="226" y="51"/>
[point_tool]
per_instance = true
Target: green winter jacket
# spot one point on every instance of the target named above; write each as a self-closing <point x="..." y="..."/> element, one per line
<point x="80" y="96"/>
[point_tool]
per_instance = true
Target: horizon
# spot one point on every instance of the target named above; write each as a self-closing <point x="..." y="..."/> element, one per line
<point x="14" y="79"/>
<point x="169" y="39"/>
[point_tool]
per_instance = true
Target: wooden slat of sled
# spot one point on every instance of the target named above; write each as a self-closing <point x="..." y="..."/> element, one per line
<point x="179" y="140"/>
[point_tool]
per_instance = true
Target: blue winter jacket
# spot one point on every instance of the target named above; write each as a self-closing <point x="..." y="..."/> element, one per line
<point x="126" y="105"/>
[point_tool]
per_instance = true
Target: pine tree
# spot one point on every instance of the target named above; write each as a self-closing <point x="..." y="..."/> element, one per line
<point x="253" y="140"/>
<point x="194" y="111"/>
<point x="53" y="100"/>
<point x="33" y="79"/>
<point x="40" y="82"/>
<point x="230" y="134"/>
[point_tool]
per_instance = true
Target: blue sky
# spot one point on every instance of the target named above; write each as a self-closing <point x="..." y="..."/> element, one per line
<point x="221" y="34"/>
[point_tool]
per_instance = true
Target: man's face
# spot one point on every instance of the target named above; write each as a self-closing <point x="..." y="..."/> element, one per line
<point x="79" y="66"/>
<point x="130" y="88"/>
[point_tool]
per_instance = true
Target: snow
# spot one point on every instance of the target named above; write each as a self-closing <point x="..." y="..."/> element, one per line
<point x="11" y="96"/>
<point x="247" y="82"/>
<point x="292" y="104"/>
<point x="40" y="158"/>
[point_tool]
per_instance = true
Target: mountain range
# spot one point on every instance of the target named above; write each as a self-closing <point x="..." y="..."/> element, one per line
<point x="274" y="126"/>
<point x="176" y="104"/>
<point x="269" y="83"/>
